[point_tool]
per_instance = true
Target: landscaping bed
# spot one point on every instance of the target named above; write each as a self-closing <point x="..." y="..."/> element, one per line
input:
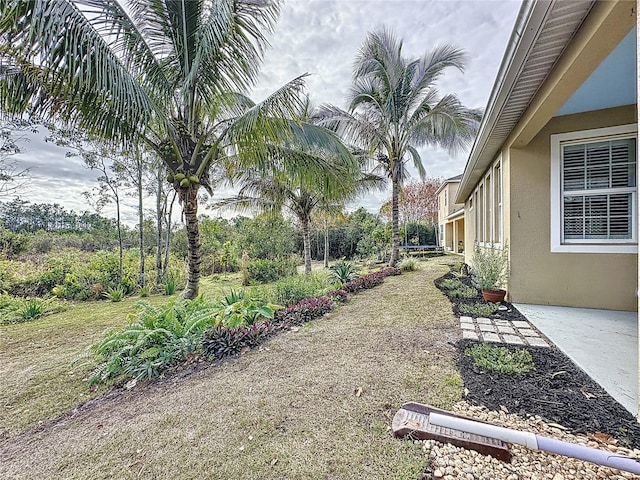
<point x="556" y="389"/>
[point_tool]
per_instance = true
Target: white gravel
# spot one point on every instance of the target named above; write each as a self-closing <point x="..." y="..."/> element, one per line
<point x="453" y="463"/>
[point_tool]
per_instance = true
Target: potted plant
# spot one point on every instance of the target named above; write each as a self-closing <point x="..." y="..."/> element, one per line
<point x="490" y="270"/>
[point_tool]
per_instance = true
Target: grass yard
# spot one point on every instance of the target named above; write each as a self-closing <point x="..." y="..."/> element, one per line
<point x="312" y="403"/>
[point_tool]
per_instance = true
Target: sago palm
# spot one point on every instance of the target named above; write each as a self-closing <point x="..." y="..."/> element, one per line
<point x="170" y="73"/>
<point x="394" y="108"/>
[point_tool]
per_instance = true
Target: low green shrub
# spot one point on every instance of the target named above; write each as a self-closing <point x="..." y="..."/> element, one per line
<point x="463" y="292"/>
<point x="451" y="284"/>
<point x="291" y="290"/>
<point x="33" y="308"/>
<point x="17" y="310"/>
<point x="115" y="294"/>
<point x="170" y="285"/>
<point x="408" y="265"/>
<point x="342" y="273"/>
<point x="499" y="359"/>
<point x="479" y="309"/>
<point x="267" y="271"/>
<point x="156" y="339"/>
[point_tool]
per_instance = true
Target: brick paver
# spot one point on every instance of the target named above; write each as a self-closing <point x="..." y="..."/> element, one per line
<point x="517" y="332"/>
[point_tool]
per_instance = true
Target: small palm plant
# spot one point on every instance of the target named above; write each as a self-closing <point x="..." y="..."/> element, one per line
<point x="342" y="273"/>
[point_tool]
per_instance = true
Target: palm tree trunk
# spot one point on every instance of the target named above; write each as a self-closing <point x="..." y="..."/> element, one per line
<point x="306" y="241"/>
<point x="189" y="198"/>
<point x="167" y="246"/>
<point x="395" y="249"/>
<point x="120" y="242"/>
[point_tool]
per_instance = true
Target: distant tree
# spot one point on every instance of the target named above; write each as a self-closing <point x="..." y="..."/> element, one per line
<point x="12" y="177"/>
<point x="394" y="108"/>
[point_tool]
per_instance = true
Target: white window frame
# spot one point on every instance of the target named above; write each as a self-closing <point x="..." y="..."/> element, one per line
<point x="593" y="246"/>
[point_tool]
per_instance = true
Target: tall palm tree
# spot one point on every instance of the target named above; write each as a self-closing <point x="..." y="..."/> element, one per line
<point x="169" y="73"/>
<point x="301" y="194"/>
<point x="394" y="108"/>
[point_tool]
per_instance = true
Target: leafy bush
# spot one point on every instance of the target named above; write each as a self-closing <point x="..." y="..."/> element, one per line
<point x="463" y="292"/>
<point x="157" y="338"/>
<point x="16" y="310"/>
<point x="339" y="295"/>
<point x="367" y="281"/>
<point x="293" y="289"/>
<point x="267" y="271"/>
<point x="144" y="292"/>
<point x="408" y="265"/>
<point x="304" y="311"/>
<point x="170" y="285"/>
<point x="221" y="341"/>
<point x="499" y="359"/>
<point x="490" y="267"/>
<point x="342" y="273"/>
<point x="243" y="312"/>
<point x="115" y="294"/>
<point x="390" y="271"/>
<point x="451" y="284"/>
<point x="479" y="309"/>
<point x="33" y="308"/>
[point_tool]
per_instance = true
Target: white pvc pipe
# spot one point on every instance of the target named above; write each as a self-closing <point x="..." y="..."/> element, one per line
<point x="538" y="442"/>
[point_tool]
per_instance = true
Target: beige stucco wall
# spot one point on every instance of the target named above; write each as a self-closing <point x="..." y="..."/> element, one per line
<point x="606" y="281"/>
<point x="445" y="210"/>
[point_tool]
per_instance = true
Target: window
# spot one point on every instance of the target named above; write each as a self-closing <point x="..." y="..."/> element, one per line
<point x="445" y="197"/>
<point x="594" y="191"/>
<point x="488" y="200"/>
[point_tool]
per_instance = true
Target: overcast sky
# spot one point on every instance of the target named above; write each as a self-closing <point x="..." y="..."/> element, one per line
<point x="322" y="37"/>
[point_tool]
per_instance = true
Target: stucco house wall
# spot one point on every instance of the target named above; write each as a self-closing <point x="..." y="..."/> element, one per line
<point x="538" y="276"/>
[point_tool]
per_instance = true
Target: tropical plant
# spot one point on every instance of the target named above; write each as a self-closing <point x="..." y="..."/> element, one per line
<point x="170" y="74"/>
<point x="115" y="294"/>
<point x="156" y="338"/>
<point x="33" y="308"/>
<point x="394" y="108"/>
<point x="170" y="285"/>
<point x="342" y="273"/>
<point x="490" y="267"/>
<point x="409" y="265"/>
<point x="295" y="288"/>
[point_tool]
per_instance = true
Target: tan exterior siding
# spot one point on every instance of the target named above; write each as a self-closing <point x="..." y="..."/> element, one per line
<point x="450" y="232"/>
<point x="604" y="281"/>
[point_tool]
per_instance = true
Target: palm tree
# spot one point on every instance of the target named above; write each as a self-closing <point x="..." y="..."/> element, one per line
<point x="169" y="73"/>
<point x="394" y="108"/>
<point x="302" y="194"/>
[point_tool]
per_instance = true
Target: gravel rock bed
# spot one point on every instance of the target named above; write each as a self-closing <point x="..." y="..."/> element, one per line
<point x="453" y="463"/>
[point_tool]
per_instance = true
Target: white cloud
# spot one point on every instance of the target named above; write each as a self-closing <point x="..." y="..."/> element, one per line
<point x="322" y="37"/>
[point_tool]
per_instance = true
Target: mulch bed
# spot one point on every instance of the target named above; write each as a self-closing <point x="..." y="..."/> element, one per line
<point x="556" y="389"/>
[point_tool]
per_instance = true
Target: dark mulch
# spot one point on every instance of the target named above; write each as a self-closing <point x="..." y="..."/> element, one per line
<point x="556" y="389"/>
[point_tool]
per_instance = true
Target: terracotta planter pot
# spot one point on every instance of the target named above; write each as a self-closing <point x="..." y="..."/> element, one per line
<point x="494" y="296"/>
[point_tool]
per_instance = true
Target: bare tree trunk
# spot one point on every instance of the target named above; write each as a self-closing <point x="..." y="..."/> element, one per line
<point x="140" y="222"/>
<point x="395" y="250"/>
<point x="306" y="241"/>
<point x="326" y="243"/>
<point x="160" y="209"/>
<point x="189" y="198"/>
<point x="167" y="247"/>
<point x="120" y="245"/>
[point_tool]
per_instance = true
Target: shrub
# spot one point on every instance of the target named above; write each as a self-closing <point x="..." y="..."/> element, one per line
<point x="293" y="289"/>
<point x="408" y="265"/>
<point x="500" y="359"/>
<point x="144" y="292"/>
<point x="390" y="271"/>
<point x="221" y="341"/>
<point x="115" y="294"/>
<point x="267" y="271"/>
<point x="339" y="295"/>
<point x="490" y="267"/>
<point x="463" y="292"/>
<point x="170" y="285"/>
<point x="367" y="281"/>
<point x="342" y="273"/>
<point x="479" y="309"/>
<point x="304" y="311"/>
<point x="33" y="308"/>
<point x="451" y="284"/>
<point x="157" y="338"/>
<point x="244" y="312"/>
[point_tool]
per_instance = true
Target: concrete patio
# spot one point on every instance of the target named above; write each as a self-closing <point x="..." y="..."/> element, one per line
<point x="604" y="343"/>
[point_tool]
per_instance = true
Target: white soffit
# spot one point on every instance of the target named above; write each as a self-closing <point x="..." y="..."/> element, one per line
<point x="542" y="32"/>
